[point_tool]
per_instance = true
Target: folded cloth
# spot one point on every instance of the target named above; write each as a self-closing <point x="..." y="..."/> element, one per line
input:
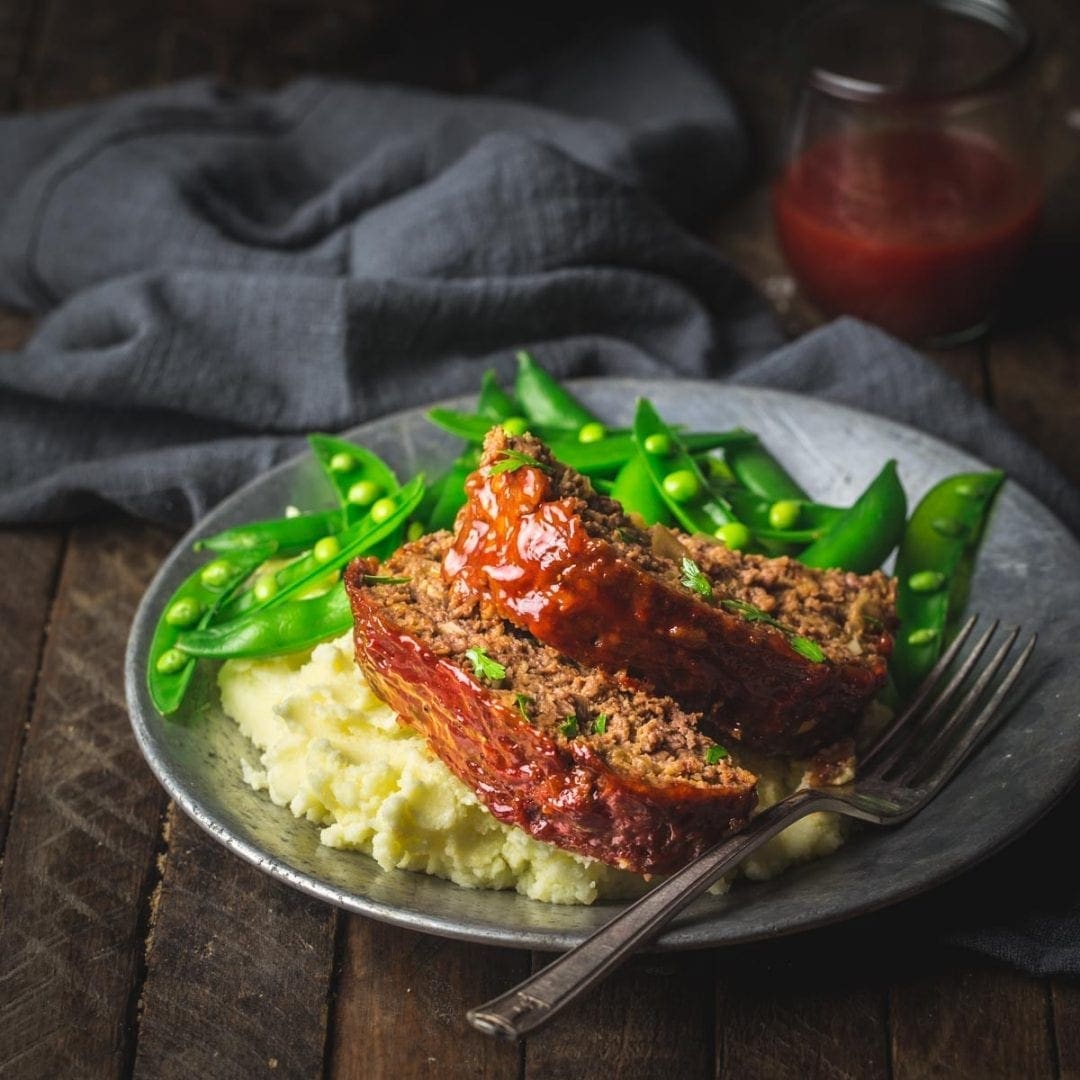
<point x="233" y="270"/>
<point x="222" y="272"/>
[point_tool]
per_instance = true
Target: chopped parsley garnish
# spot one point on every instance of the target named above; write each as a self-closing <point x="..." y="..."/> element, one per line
<point x="523" y="701"/>
<point x="802" y="645"/>
<point x="482" y="664"/>
<point x="715" y="754"/>
<point x="805" y="647"/>
<point x="693" y="578"/>
<point x="749" y="612"/>
<point x="512" y="460"/>
<point x="569" y="727"/>
<point x="599" y="725"/>
<point x="379" y="579"/>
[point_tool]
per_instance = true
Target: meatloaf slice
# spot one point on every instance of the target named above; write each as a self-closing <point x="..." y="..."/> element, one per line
<point x="778" y="656"/>
<point x="573" y="757"/>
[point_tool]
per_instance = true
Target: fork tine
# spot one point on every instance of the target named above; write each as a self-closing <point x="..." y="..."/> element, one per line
<point x="967" y="742"/>
<point x="959" y="714"/>
<point x="942" y="699"/>
<point x="892" y="748"/>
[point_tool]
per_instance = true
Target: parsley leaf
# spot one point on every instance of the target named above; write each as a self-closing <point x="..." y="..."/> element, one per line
<point x="802" y="645"/>
<point x="600" y="724"/>
<point x="805" y="647"/>
<point x="482" y="664"/>
<point x="512" y="460"/>
<point x="715" y="754"/>
<point x="749" y="612"/>
<point x="693" y="578"/>
<point x="523" y="701"/>
<point x="569" y="727"/>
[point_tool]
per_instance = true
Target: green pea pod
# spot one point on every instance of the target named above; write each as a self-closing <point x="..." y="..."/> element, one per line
<point x="286" y="536"/>
<point x="697" y="507"/>
<point x="290" y="627"/>
<point x="812" y="522"/>
<point x="168" y="672"/>
<point x="933" y="568"/>
<point x="361" y="538"/>
<point x="358" y="477"/>
<point x="861" y="539"/>
<point x="635" y="491"/>
<point x="608" y="455"/>
<point x="544" y="400"/>
<point x="758" y="471"/>
<point x="450" y="498"/>
<point x="494" y="402"/>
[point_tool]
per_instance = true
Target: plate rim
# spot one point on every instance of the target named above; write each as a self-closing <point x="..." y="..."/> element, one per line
<point x="448" y="926"/>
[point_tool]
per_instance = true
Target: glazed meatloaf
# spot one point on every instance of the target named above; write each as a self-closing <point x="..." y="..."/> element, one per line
<point x="574" y="757"/>
<point x="776" y="655"/>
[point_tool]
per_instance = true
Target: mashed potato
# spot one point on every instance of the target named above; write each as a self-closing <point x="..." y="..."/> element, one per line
<point x="332" y="752"/>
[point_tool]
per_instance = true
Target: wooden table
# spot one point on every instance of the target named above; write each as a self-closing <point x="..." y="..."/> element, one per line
<point x="132" y="944"/>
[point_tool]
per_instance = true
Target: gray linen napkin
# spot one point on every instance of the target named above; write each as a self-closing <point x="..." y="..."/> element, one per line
<point x="223" y="272"/>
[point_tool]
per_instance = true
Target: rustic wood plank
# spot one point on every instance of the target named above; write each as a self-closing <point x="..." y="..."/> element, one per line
<point x="1065" y="1002"/>
<point x="238" y="968"/>
<point x="400" y="1005"/>
<point x="25" y="601"/>
<point x="17" y="24"/>
<point x="966" y="1020"/>
<point x="14" y="330"/>
<point x="652" y="1017"/>
<point x="84" y="828"/>
<point x="93" y="49"/>
<point x="1034" y="386"/>
<point x="774" y="1026"/>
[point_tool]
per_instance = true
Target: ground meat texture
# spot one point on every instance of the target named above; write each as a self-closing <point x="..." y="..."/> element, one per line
<point x="635" y="790"/>
<point x="536" y="545"/>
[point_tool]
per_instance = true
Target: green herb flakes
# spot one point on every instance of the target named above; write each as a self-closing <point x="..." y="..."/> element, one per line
<point x="483" y="665"/>
<point x="600" y="724"/>
<point x="523" y="702"/>
<point x="512" y="460"/>
<point x="805" y="647"/>
<point x="569" y="727"/>
<point x="694" y="579"/>
<point x="715" y="754"/>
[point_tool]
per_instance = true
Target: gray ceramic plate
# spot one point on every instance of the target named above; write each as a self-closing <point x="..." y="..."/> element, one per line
<point x="1029" y="572"/>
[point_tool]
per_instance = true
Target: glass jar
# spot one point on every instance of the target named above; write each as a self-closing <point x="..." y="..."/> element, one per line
<point x="910" y="187"/>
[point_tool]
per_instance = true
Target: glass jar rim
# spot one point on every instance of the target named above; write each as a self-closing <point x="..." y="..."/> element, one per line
<point x="997" y="15"/>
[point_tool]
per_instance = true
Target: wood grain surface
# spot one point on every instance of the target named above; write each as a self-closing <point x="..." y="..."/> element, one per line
<point x="132" y="945"/>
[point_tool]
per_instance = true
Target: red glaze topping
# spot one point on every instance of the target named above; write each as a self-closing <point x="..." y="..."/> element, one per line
<point x="525" y="555"/>
<point x="564" y="794"/>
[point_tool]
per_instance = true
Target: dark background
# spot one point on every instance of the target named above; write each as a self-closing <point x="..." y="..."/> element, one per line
<point x="130" y="944"/>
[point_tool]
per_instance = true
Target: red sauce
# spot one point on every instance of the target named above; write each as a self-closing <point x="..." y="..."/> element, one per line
<point x="525" y="555"/>
<point x="915" y="230"/>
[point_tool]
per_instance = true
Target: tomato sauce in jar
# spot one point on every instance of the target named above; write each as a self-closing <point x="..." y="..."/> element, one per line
<point x="914" y="229"/>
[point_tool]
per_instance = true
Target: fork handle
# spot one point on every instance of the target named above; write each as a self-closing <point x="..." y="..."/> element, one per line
<point x="532" y="1003"/>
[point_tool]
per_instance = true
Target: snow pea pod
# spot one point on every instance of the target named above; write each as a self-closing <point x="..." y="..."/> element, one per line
<point x="289" y="627"/>
<point x="758" y="471"/>
<point x="933" y="568"/>
<point x="545" y="401"/>
<point x="168" y="670"/>
<point x="449" y="497"/>
<point x="285" y="536"/>
<point x="358" y="477"/>
<point x="676" y="475"/>
<point x="494" y="402"/>
<point x="609" y="454"/>
<point x="309" y="570"/>
<point x="635" y="491"/>
<point x="861" y="538"/>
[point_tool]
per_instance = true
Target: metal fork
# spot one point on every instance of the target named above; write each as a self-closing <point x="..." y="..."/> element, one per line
<point x="912" y="760"/>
